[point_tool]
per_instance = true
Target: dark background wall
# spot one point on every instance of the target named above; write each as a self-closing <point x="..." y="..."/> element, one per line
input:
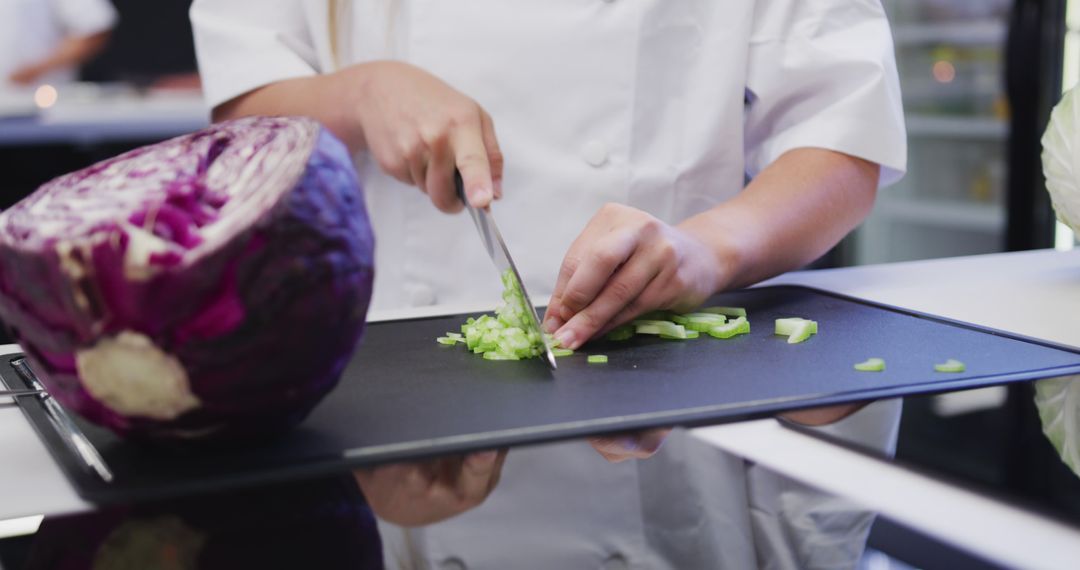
<point x="152" y="38"/>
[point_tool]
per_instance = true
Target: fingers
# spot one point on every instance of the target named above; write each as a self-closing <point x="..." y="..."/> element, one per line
<point x="637" y="445"/>
<point x="494" y="153"/>
<point x="439" y="181"/>
<point x="597" y="226"/>
<point x="412" y="494"/>
<point x="471" y="158"/>
<point x="624" y="290"/>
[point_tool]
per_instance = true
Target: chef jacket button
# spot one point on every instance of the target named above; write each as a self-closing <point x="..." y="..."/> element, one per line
<point x="453" y="563"/>
<point x="595" y="153"/>
<point x="615" y="562"/>
<point x="422" y="296"/>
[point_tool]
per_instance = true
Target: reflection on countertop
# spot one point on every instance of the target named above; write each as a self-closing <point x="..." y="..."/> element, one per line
<point x="322" y="524"/>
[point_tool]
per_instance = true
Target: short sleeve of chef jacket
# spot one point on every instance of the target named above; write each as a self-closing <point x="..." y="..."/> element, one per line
<point x="245" y="45"/>
<point x="84" y="17"/>
<point x="822" y="73"/>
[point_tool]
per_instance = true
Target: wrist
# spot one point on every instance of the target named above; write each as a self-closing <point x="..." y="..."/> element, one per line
<point x="351" y="89"/>
<point x="728" y="250"/>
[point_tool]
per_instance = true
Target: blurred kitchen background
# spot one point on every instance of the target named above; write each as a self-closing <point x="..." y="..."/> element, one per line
<point x="140" y="87"/>
<point x="979" y="78"/>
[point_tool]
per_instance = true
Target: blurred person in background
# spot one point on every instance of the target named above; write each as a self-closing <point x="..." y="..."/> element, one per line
<point x="45" y="41"/>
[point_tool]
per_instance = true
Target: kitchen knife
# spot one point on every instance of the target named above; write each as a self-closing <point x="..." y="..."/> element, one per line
<point x="500" y="256"/>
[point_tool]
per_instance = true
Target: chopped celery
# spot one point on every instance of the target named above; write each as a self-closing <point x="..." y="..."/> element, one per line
<point x="950" y="365"/>
<point x="871" y="365"/>
<point x="801" y="332"/>
<point x="597" y="359"/>
<point x="645" y="326"/>
<point x="507" y="335"/>
<point x="623" y="332"/>
<point x="787" y="326"/>
<point x="560" y="352"/>
<point x="727" y="311"/>
<point x="730" y="329"/>
<point x="797" y="329"/>
<point x="647" y="329"/>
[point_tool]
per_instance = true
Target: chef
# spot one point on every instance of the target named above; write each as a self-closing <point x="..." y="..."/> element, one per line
<point x="44" y="41"/>
<point x="638" y="154"/>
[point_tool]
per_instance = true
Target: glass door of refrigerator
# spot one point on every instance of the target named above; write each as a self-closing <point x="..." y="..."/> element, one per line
<point x="950" y="55"/>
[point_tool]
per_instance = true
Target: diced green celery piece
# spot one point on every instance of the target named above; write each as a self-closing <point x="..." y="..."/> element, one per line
<point x="680" y="319"/>
<point x="453" y="335"/>
<point x="597" y="359"/>
<point x="950" y="365"/>
<point x="715" y="318"/>
<point x="728" y="311"/>
<point x="645" y="326"/>
<point x="727" y="330"/>
<point x="496" y="355"/>
<point x="560" y="352"/>
<point x="786" y="326"/>
<point x="801" y="332"/>
<point x="647" y="329"/>
<point x="693" y="334"/>
<point x="700" y="327"/>
<point x="446" y="340"/>
<point x="622" y="332"/>
<point x="871" y="365"/>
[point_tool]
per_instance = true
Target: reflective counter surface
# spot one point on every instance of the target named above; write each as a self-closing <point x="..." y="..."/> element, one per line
<point x="689" y="505"/>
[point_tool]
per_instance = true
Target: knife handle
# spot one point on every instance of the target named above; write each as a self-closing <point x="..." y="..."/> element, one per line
<point x="459" y="187"/>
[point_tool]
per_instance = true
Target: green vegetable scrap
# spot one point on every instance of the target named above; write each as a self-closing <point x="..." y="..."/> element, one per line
<point x="797" y="329"/>
<point x="950" y="365"/>
<point x="732" y="328"/>
<point x="597" y="359"/>
<point x="624" y="332"/>
<point x="871" y="365"/>
<point x="505" y="336"/>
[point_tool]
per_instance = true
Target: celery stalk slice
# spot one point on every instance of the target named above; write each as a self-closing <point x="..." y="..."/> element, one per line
<point x="560" y="352"/>
<point x="727" y="311"/>
<point x="871" y="365"/>
<point x="951" y="365"/>
<point x="801" y="332"/>
<point x="732" y="328"/>
<point x="623" y="332"/>
<point x="597" y="359"/>
<point x="787" y="326"/>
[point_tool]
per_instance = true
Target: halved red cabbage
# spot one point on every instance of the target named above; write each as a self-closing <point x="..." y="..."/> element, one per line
<point x="214" y="284"/>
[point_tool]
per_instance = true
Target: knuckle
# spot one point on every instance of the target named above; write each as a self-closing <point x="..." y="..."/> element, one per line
<point x="575" y="300"/>
<point x="495" y="158"/>
<point x="590" y="320"/>
<point x="465" y="114"/>
<point x="435" y="137"/>
<point x="621" y="291"/>
<point x="611" y="208"/>
<point x="604" y="258"/>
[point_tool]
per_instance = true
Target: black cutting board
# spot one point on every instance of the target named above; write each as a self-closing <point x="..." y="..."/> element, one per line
<point x="406" y="397"/>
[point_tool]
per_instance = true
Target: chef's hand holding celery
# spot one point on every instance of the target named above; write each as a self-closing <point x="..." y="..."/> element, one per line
<point x="416" y="127"/>
<point x="627" y="262"/>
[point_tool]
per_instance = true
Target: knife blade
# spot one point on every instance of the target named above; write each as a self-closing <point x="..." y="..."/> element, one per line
<point x="500" y="256"/>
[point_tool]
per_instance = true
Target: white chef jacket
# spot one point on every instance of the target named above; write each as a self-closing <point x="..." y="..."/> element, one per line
<point x="665" y="105"/>
<point x="31" y="29"/>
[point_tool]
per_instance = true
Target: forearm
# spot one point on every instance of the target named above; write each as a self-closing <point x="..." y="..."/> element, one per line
<point x="789" y="215"/>
<point x="74" y="51"/>
<point x="324" y="98"/>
